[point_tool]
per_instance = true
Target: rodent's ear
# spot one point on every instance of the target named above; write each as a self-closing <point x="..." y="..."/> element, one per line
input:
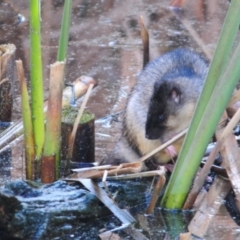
<point x="175" y="95"/>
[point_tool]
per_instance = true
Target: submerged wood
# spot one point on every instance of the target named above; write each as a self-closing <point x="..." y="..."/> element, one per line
<point x="220" y="188"/>
<point x="209" y="207"/>
<point x="80" y="87"/>
<point x="84" y="143"/>
<point x="230" y="154"/>
<point x="83" y="149"/>
<point x="123" y="215"/>
<point x="134" y="233"/>
<point x="158" y="188"/>
<point x="7" y="58"/>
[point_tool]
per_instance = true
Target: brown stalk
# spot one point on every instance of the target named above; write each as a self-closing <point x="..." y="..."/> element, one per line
<point x="48" y="169"/>
<point x="185" y="236"/>
<point x="163" y="146"/>
<point x="159" y="185"/>
<point x="209" y="207"/>
<point x="27" y="122"/>
<point x="76" y="123"/>
<point x="124" y="216"/>
<point x="145" y="41"/>
<point x="130" y="170"/>
<point x="53" y="122"/>
<point x="235" y="97"/>
<point x="199" y="181"/>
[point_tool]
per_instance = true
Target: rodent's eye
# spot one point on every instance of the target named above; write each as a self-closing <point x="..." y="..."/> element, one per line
<point x="160" y="117"/>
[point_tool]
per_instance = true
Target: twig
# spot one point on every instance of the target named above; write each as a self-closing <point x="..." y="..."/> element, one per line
<point x="198" y="183"/>
<point x="160" y="172"/>
<point x="163" y="146"/>
<point x="80" y="112"/>
<point x="4" y="80"/>
<point x="159" y="185"/>
<point x="145" y="41"/>
<point x="123" y="216"/>
<point x="235" y="97"/>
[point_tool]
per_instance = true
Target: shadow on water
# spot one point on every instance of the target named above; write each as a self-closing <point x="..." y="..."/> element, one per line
<point x="105" y="44"/>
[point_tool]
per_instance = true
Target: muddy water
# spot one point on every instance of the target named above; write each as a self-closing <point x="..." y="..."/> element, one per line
<point x="105" y="44"/>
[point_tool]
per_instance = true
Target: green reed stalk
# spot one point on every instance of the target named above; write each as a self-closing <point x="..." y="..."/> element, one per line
<point x="208" y="112"/>
<point x="64" y="35"/>
<point x="36" y="77"/>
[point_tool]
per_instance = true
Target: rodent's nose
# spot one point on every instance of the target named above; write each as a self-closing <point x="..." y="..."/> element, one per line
<point x="152" y="134"/>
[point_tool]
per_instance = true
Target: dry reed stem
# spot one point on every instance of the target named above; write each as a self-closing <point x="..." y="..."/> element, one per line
<point x="27" y="121"/>
<point x="158" y="188"/>
<point x="145" y="41"/>
<point x="163" y="146"/>
<point x="199" y="181"/>
<point x="76" y="123"/>
<point x="50" y="166"/>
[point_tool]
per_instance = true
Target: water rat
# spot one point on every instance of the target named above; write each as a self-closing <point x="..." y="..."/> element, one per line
<point x="160" y="106"/>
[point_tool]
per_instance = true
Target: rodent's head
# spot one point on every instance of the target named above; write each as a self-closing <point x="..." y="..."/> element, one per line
<point x="165" y="101"/>
<point x="170" y="109"/>
<point x="178" y="78"/>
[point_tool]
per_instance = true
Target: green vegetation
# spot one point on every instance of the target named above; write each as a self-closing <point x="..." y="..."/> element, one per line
<point x="212" y="103"/>
<point x="69" y="115"/>
<point x="36" y="77"/>
<point x="64" y="36"/>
